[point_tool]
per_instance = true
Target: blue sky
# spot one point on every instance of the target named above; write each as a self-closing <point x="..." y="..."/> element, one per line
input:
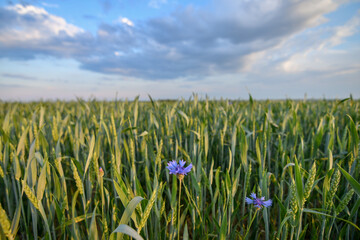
<point x="272" y="49"/>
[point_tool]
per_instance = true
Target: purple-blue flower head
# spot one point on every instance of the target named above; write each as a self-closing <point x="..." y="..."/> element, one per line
<point x="258" y="202"/>
<point x="178" y="168"/>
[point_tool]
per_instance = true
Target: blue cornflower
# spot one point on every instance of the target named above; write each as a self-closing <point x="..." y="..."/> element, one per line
<point x="178" y="168"/>
<point x="258" y="202"/>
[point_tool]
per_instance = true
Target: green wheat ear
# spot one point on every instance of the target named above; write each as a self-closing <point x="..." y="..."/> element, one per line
<point x="4" y="222"/>
<point x="29" y="193"/>
<point x="248" y="176"/>
<point x="106" y="228"/>
<point x="77" y="178"/>
<point x="333" y="188"/>
<point x="293" y="203"/>
<point x="344" y="202"/>
<point x="1" y="172"/>
<point x="310" y="182"/>
<point x="172" y="217"/>
<point x="162" y="209"/>
<point x="148" y="208"/>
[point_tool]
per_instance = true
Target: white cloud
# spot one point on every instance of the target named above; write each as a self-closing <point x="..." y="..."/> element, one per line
<point x="27" y="9"/>
<point x="276" y="37"/>
<point x="30" y="24"/>
<point x="126" y="21"/>
<point x="320" y="56"/>
<point x="349" y="29"/>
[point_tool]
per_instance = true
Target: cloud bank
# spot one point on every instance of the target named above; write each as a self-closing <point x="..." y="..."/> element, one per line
<point x="226" y="37"/>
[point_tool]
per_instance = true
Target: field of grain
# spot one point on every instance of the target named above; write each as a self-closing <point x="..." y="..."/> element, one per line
<point x="79" y="170"/>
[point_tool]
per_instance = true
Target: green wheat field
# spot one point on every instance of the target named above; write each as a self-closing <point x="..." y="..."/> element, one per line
<point x="97" y="170"/>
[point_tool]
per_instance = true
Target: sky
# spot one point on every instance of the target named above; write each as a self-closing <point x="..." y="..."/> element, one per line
<point x="171" y="49"/>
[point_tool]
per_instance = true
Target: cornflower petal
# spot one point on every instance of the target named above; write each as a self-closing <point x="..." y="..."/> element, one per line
<point x="258" y="202"/>
<point x="173" y="164"/>
<point x="249" y="201"/>
<point x="187" y="169"/>
<point x="178" y="168"/>
<point x="267" y="203"/>
<point x="182" y="163"/>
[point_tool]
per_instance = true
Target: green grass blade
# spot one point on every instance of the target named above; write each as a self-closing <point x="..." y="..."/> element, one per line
<point x="41" y="183"/>
<point x="129" y="210"/>
<point x="299" y="184"/>
<point x="355" y="184"/>
<point x="327" y="215"/>
<point x="93" y="226"/>
<point x="43" y="215"/>
<point x="122" y="228"/>
<point x="91" y="151"/>
<point x="223" y="228"/>
<point x="16" y="220"/>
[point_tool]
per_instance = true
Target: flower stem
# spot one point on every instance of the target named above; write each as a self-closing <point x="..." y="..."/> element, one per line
<point x="180" y="181"/>
<point x="252" y="220"/>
